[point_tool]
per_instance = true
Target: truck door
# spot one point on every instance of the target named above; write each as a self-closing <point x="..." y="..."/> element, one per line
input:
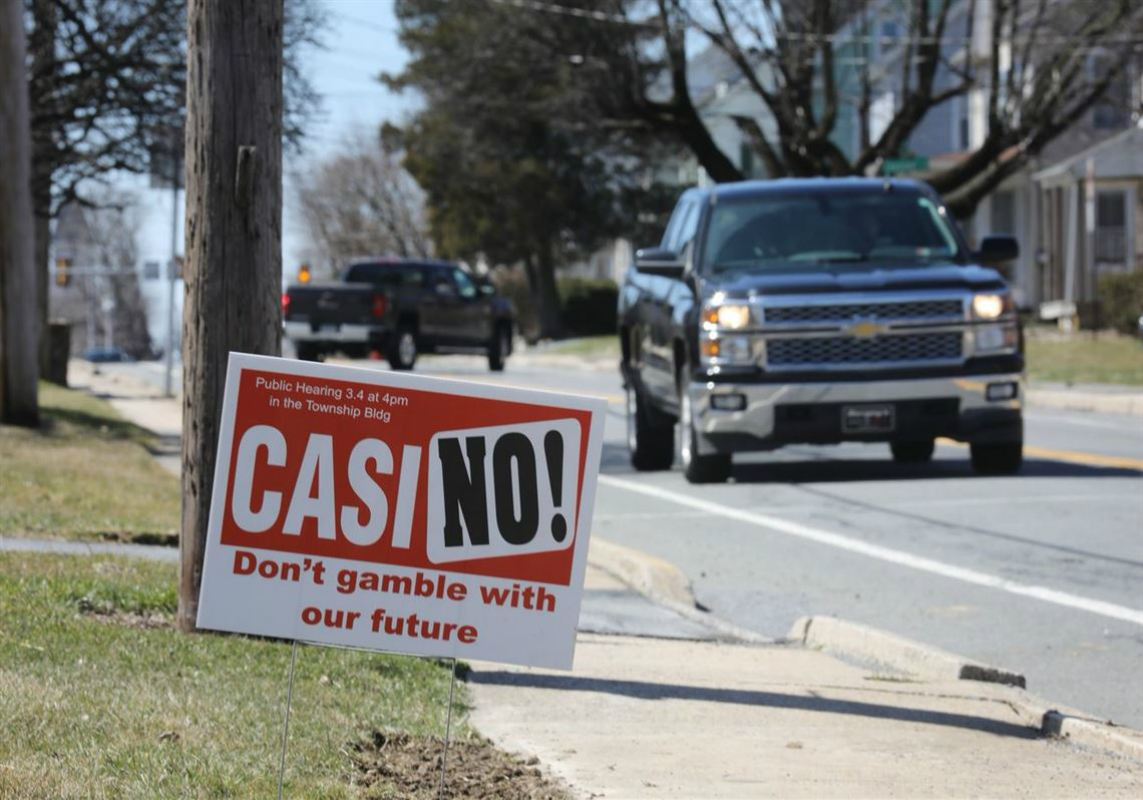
<point x="440" y="307"/>
<point x="658" y="344"/>
<point x="475" y="310"/>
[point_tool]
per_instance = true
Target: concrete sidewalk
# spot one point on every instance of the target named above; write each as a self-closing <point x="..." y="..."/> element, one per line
<point x="676" y="719"/>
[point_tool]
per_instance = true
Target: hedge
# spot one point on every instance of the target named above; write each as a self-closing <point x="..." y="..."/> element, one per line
<point x="1121" y="300"/>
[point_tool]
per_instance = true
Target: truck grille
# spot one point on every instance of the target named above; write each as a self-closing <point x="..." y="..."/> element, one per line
<point x="846" y="350"/>
<point x="917" y="309"/>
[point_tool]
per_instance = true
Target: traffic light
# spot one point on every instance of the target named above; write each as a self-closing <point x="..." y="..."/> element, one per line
<point x="304" y="274"/>
<point x="63" y="272"/>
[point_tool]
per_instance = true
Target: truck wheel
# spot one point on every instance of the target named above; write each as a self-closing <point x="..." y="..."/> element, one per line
<point x="912" y="452"/>
<point x="308" y="352"/>
<point x="651" y="441"/>
<point x="698" y="468"/>
<point x="1004" y="458"/>
<point x="499" y="348"/>
<point x="402" y="350"/>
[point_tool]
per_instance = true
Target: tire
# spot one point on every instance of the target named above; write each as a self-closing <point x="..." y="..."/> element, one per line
<point x="307" y="352"/>
<point x="499" y="348"/>
<point x="1004" y="458"/>
<point x="402" y="350"/>
<point x="697" y="468"/>
<point x="650" y="439"/>
<point x="912" y="452"/>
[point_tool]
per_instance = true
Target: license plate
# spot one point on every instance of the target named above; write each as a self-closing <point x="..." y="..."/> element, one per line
<point x="868" y="419"/>
<point x="328" y="328"/>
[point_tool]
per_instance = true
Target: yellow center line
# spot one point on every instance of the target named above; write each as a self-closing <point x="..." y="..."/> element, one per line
<point x="1071" y="456"/>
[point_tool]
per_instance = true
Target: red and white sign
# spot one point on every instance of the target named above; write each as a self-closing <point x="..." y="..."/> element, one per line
<point x="397" y="512"/>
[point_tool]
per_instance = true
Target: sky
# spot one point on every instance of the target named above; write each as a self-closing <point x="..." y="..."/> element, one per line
<point x="360" y="43"/>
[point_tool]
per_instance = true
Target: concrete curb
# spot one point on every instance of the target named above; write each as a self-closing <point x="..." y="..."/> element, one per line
<point x="1066" y="400"/>
<point x="869" y="644"/>
<point x="1093" y="734"/>
<point x="663" y="583"/>
<point x="853" y="640"/>
<point x="651" y="577"/>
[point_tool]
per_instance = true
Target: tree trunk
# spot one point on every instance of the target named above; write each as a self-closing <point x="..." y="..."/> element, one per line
<point x="547" y="295"/>
<point x="45" y="15"/>
<point x="233" y="234"/>
<point x="19" y="325"/>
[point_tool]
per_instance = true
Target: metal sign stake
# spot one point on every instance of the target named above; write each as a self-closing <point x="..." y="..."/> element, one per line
<point x="448" y="724"/>
<point x="286" y="726"/>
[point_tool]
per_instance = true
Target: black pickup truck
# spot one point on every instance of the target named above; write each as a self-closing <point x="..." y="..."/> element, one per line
<point x="400" y="308"/>
<point x="819" y="311"/>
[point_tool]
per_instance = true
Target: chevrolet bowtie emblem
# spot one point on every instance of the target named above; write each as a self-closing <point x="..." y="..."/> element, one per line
<point x="866" y="329"/>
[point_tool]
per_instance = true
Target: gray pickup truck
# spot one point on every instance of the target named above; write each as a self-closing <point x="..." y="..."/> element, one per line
<point x="819" y="311"/>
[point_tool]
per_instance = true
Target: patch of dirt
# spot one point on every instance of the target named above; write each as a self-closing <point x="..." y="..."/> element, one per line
<point x="107" y="616"/>
<point x="396" y="765"/>
<point x="142" y="537"/>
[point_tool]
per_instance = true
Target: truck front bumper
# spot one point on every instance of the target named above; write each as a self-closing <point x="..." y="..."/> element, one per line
<point x="737" y="417"/>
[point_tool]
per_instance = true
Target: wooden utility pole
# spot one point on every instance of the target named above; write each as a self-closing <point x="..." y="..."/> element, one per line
<point x="233" y="234"/>
<point x="19" y="321"/>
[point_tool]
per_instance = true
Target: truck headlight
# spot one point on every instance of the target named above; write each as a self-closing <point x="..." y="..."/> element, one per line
<point x="727" y="351"/>
<point x="996" y="339"/>
<point x="731" y="317"/>
<point x="991" y="306"/>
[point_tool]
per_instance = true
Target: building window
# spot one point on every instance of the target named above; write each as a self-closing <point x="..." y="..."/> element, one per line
<point x="1111" y="226"/>
<point x="1003" y="212"/>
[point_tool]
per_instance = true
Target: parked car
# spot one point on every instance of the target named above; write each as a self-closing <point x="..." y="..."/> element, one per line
<point x="819" y="311"/>
<point x="400" y="308"/>
<point x="106" y="355"/>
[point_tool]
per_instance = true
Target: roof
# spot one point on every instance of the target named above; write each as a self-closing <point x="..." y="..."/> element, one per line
<point x="1118" y="156"/>
<point x="804" y="185"/>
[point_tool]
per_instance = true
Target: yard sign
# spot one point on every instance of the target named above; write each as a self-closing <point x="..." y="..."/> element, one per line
<point x="396" y="512"/>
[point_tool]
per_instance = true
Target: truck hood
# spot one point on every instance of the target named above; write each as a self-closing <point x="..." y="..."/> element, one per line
<point x="853" y="278"/>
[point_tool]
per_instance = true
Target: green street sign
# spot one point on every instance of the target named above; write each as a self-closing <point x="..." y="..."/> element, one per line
<point x="903" y="166"/>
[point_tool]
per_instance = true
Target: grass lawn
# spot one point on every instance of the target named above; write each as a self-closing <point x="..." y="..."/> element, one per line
<point x="1085" y="358"/>
<point x="87" y="474"/>
<point x="101" y="697"/>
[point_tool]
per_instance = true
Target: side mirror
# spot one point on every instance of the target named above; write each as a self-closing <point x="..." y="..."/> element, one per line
<point x="659" y="261"/>
<point x="997" y="249"/>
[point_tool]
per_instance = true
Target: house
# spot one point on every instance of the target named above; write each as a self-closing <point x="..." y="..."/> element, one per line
<point x="1091" y="213"/>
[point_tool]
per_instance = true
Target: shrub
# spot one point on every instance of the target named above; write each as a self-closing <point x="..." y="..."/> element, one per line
<point x="1121" y="298"/>
<point x="588" y="307"/>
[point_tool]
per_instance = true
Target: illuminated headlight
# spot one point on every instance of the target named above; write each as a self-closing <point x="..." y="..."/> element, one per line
<point x="991" y="306"/>
<point x="731" y="317"/>
<point x="727" y="350"/>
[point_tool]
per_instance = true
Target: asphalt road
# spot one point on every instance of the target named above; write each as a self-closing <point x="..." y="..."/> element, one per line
<point x="1040" y="573"/>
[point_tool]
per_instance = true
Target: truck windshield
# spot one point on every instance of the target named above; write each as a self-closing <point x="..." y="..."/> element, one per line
<point x="799" y="231"/>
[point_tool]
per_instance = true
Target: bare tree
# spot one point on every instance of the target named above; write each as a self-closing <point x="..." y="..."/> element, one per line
<point x="1031" y="61"/>
<point x="361" y="201"/>
<point x="112" y="228"/>
<point x="815" y="65"/>
<point x="19" y="364"/>
<point x="234" y="229"/>
<point x="107" y="80"/>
